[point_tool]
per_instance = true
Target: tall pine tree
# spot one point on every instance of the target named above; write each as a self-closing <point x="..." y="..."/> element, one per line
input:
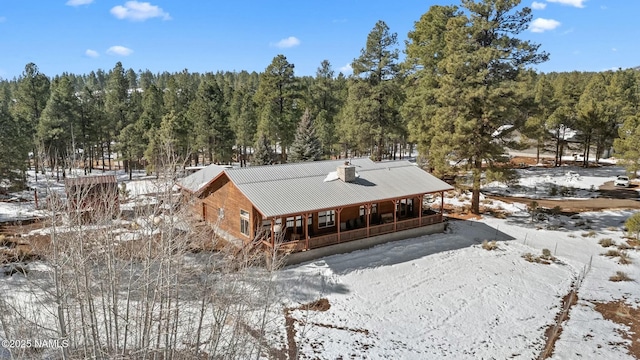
<point x="306" y="146"/>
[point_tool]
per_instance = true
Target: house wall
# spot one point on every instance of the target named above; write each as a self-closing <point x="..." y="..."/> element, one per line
<point x="223" y="194"/>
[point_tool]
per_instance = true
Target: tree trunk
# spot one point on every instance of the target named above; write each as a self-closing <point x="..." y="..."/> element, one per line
<point x="475" y="196"/>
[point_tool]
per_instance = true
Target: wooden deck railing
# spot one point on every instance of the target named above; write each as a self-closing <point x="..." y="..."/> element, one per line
<point x="351" y="235"/>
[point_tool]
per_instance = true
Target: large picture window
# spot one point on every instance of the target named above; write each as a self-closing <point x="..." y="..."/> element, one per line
<point x="326" y="219"/>
<point x="244" y="222"/>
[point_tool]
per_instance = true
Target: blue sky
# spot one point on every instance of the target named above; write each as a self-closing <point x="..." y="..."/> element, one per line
<point x="79" y="36"/>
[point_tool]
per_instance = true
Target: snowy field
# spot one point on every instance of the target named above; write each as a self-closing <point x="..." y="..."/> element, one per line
<point x="444" y="296"/>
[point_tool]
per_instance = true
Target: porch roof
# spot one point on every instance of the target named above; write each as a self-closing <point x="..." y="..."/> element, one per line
<point x="300" y="187"/>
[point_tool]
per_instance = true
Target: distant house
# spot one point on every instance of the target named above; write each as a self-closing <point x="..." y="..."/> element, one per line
<point x="312" y="205"/>
<point x="91" y="198"/>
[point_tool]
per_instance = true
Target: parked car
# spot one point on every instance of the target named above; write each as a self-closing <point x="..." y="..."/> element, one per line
<point x="621" y="180"/>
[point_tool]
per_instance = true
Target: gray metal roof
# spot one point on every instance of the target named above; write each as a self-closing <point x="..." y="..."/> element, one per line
<point x="300" y="187"/>
<point x="196" y="181"/>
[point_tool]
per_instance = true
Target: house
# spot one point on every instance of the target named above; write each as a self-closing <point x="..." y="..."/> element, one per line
<point x="311" y="205"/>
<point x="91" y="198"/>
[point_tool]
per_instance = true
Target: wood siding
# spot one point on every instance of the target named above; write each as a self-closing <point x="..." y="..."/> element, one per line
<point x="223" y="194"/>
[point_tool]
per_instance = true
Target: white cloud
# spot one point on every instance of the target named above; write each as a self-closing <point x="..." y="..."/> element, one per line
<point x="347" y="69"/>
<point x="576" y="3"/>
<point x="614" y="49"/>
<point x="139" y="11"/>
<point x="91" y="53"/>
<point x="119" y="50"/>
<point x="79" y="2"/>
<point x="291" y="41"/>
<point x="541" y="25"/>
<point x="538" y="5"/>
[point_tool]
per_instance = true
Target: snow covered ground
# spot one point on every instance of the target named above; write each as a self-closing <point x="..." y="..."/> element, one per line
<point x="445" y="296"/>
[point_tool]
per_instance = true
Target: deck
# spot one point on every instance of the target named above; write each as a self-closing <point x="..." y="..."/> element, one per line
<point x="315" y="242"/>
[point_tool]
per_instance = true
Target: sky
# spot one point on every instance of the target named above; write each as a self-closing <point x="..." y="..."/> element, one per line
<point x="80" y="36"/>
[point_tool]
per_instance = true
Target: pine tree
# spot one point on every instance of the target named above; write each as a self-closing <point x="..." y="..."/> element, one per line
<point x="471" y="86"/>
<point x="263" y="153"/>
<point x="12" y="162"/>
<point x="306" y="146"/>
<point x="372" y="106"/>
<point x="59" y="118"/>
<point x="275" y="100"/>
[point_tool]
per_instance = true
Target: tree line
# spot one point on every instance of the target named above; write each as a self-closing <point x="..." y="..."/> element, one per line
<point x="464" y="91"/>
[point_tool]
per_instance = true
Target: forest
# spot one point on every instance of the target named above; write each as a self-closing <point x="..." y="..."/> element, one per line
<point x="464" y="86"/>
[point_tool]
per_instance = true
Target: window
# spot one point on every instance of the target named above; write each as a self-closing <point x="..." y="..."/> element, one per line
<point x="374" y="209"/>
<point x="244" y="222"/>
<point x="326" y="219"/>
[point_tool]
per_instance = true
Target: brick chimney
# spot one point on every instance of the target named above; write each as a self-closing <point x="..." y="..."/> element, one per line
<point x="347" y="172"/>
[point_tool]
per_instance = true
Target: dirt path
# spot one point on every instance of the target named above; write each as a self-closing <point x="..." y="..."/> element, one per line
<point x="575" y="205"/>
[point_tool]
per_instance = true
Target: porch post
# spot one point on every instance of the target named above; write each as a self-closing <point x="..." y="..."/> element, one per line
<point x="420" y="209"/>
<point x="441" y="204"/>
<point x="395" y="214"/>
<point x="273" y="235"/>
<point x="338" y="211"/>
<point x="367" y="213"/>
<point x="305" y="223"/>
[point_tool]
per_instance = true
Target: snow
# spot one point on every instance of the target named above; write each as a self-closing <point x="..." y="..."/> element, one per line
<point x="444" y="296"/>
<point x="441" y="295"/>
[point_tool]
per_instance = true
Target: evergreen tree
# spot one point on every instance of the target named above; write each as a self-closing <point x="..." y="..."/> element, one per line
<point x="591" y="109"/>
<point x="12" y="162"/>
<point x="306" y="146"/>
<point x="263" y="153"/>
<point x="325" y="104"/>
<point x="471" y="92"/>
<point x="535" y="127"/>
<point x="372" y="106"/>
<point x="115" y="106"/>
<point x="211" y="121"/>
<point x="276" y="102"/>
<point x="243" y="120"/>
<point x="56" y="127"/>
<point x="31" y="98"/>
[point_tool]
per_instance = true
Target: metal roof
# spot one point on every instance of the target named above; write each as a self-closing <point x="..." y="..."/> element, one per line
<point x="300" y="187"/>
<point x="199" y="179"/>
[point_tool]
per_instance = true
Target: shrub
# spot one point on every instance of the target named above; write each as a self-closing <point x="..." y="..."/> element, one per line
<point x="546" y="254"/>
<point x="606" y="242"/>
<point x="612" y="253"/>
<point x="589" y="234"/>
<point x="633" y="225"/>
<point x="556" y="210"/>
<point x="529" y="257"/>
<point x="489" y="245"/>
<point x="624" y="246"/>
<point x="620" y="276"/>
<point x="624" y="259"/>
<point x="553" y="190"/>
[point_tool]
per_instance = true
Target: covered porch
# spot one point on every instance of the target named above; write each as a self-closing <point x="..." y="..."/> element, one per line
<point x="326" y="227"/>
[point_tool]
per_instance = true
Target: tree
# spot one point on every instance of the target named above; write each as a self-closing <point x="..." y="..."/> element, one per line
<point x="211" y="121"/>
<point x="633" y="224"/>
<point x="263" y="154"/>
<point x="276" y="99"/>
<point x="243" y="120"/>
<point x="31" y="98"/>
<point x="325" y="104"/>
<point x="12" y="163"/>
<point x="592" y="113"/>
<point x="535" y="127"/>
<point x="59" y="118"/>
<point x="306" y="146"/>
<point x="115" y="105"/>
<point x="372" y="106"/>
<point x="471" y="95"/>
